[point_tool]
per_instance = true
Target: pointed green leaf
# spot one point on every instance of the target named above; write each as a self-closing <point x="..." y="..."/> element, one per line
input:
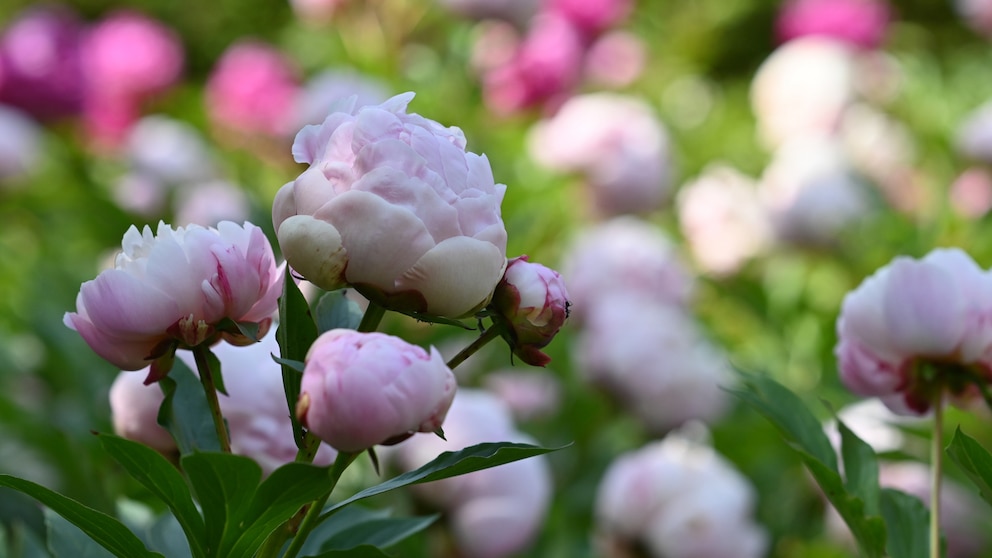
<point x="105" y="530"/>
<point x="224" y="485"/>
<point x="365" y="551"/>
<point x="216" y="371"/>
<point x="295" y="365"/>
<point x="334" y="310"/>
<point x="860" y="468"/>
<point x="452" y="464"/>
<point x="296" y="333"/>
<point x="338" y="523"/>
<point x="974" y="460"/>
<point x="160" y="477"/>
<point x="185" y="413"/>
<point x="65" y="540"/>
<point x="908" y="524"/>
<point x="380" y="532"/>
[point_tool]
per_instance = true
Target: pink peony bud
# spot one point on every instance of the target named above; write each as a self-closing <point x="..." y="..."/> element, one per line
<point x="912" y="315"/>
<point x="393" y="205"/>
<point x="174" y="288"/>
<point x="363" y="389"/>
<point x="493" y="513"/>
<point x="678" y="499"/>
<point x="861" y="23"/>
<point x="533" y="301"/>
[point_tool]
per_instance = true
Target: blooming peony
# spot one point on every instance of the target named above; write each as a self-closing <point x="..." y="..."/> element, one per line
<point x="174" y="288"/>
<point x="393" y="205"/>
<point x="364" y="389"/>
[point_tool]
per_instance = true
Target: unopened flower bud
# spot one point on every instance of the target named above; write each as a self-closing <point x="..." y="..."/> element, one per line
<point x="533" y="300"/>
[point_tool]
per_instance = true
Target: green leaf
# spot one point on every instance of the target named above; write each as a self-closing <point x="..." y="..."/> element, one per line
<point x="295" y="365"/>
<point x="165" y="535"/>
<point x="105" y="530"/>
<point x="908" y="524"/>
<point x="296" y="333"/>
<point x="334" y="310"/>
<point x="160" y="477"/>
<point x="224" y="484"/>
<point x="185" y="413"/>
<point x="65" y="540"/>
<point x="338" y="523"/>
<point x="364" y="551"/>
<point x="452" y="464"/>
<point x="216" y="371"/>
<point x="974" y="460"/>
<point x="380" y="532"/>
<point x="860" y="468"/>
<point x="278" y="498"/>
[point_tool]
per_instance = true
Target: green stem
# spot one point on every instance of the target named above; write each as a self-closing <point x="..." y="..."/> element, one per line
<point x="200" y="355"/>
<point x="370" y="320"/>
<point x="312" y="516"/>
<point x="936" y="453"/>
<point x="487" y="336"/>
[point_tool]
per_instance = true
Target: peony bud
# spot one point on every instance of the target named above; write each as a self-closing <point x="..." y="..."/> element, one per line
<point x="916" y="327"/>
<point x="174" y="289"/>
<point x="363" y="389"/>
<point x="393" y="205"/>
<point x="533" y="301"/>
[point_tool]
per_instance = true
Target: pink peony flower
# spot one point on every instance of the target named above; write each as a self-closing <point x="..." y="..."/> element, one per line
<point x="971" y="193"/>
<point x="534" y="303"/>
<point x="530" y="394"/>
<point x="911" y="315"/>
<point x="393" y="205"/>
<point x="252" y="90"/>
<point x="591" y="16"/>
<point x="174" y="288"/>
<point x="678" y="499"/>
<point x="494" y="513"/>
<point x="255" y="407"/>
<point x="615" y="60"/>
<point x="364" y="389"/>
<point x="861" y="23"/>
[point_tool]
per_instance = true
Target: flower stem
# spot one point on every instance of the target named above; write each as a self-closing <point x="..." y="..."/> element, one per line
<point x="313" y="512"/>
<point x="370" y="320"/>
<point x="487" y="336"/>
<point x="936" y="454"/>
<point x="201" y="355"/>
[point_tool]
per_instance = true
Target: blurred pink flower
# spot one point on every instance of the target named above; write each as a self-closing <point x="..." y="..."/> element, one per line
<point x="679" y="499"/>
<point x="974" y="135"/>
<point x="323" y="90"/>
<point x="971" y="193"/>
<point x="174" y="288"/>
<point x="168" y="150"/>
<point x="253" y="89"/>
<point x="208" y="203"/>
<point x="496" y="512"/>
<point x="615" y="60"/>
<point x="977" y="14"/>
<point x="364" y="389"/>
<point x="517" y="12"/>
<point x="534" y="303"/>
<point x="592" y="17"/>
<point x="316" y="12"/>
<point x="529" y="395"/>
<point x="394" y="205"/>
<point x="40" y="69"/>
<point x="861" y="23"/>
<point x="254" y="408"/>
<point x="654" y="361"/>
<point x="913" y="313"/>
<point x="20" y="144"/>
<point x="624" y="255"/>
<point x="617" y="143"/>
<point x="723" y="220"/>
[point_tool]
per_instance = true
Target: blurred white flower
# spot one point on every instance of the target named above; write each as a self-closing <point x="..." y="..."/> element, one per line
<point x="20" y="143"/>
<point x="168" y="151"/>
<point x="974" y="136"/>
<point x="208" y="203"/>
<point x="321" y="91"/>
<point x="723" y="219"/>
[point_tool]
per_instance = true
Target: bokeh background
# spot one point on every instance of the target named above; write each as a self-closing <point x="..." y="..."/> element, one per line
<point x="716" y="176"/>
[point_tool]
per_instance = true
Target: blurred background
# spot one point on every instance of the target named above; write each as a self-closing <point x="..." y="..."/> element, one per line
<point x="710" y="177"/>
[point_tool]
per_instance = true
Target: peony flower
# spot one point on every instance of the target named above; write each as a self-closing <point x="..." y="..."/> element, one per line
<point x="861" y="23"/>
<point x="208" y="203"/>
<point x="615" y="60"/>
<point x="624" y="255"/>
<point x="915" y="328"/>
<point x="678" y="499"/>
<point x="364" y="389"/>
<point x="254" y="407"/>
<point x="175" y="288"/>
<point x="617" y="143"/>
<point x="330" y="86"/>
<point x="971" y="193"/>
<point x="169" y="151"/>
<point x="529" y="395"/>
<point x="493" y="513"/>
<point x="393" y="205"/>
<point x="533" y="301"/>
<point x="591" y="16"/>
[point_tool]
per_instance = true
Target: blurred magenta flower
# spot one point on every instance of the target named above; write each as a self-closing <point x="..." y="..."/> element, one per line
<point x="678" y="499"/>
<point x="861" y="23"/>
<point x="624" y="255"/>
<point x="393" y="205"/>
<point x="911" y="315"/>
<point x="364" y="389"/>
<point x="174" y="288"/>
<point x="253" y="90"/>
<point x="534" y="302"/>
<point x="592" y="17"/>
<point x="493" y="513"/>
<point x="617" y="143"/>
<point x="254" y="408"/>
<point x="723" y="220"/>
<point x="20" y="144"/>
<point x="40" y="70"/>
